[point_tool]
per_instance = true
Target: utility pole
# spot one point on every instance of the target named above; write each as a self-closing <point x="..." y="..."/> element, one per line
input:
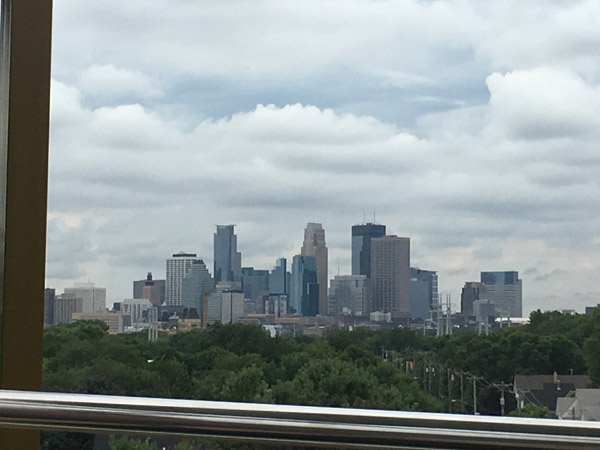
<point x="502" y="400"/>
<point x="449" y="392"/>
<point x="502" y="388"/>
<point x="462" y="400"/>
<point x="475" y="395"/>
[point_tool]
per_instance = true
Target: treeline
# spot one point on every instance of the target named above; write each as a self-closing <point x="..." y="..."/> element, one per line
<point x="363" y="368"/>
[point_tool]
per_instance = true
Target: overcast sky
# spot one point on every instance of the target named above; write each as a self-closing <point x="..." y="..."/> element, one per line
<point x="471" y="127"/>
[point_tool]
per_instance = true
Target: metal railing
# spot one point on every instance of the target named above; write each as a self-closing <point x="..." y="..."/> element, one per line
<point x="286" y="424"/>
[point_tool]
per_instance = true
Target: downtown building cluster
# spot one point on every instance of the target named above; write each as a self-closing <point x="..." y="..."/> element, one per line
<point x="382" y="290"/>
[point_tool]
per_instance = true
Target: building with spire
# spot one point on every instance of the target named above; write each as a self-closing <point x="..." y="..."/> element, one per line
<point x="314" y="246"/>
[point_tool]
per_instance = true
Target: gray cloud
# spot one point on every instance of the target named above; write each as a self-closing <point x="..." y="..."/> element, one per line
<point x="468" y="126"/>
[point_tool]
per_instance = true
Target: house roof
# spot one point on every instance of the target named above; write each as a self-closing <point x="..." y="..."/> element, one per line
<point x="537" y="382"/>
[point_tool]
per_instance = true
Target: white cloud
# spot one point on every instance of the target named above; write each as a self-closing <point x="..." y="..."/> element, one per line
<point x="499" y="171"/>
<point x="109" y="83"/>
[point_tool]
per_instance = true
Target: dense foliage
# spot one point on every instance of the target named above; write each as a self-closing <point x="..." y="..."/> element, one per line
<point x="388" y="368"/>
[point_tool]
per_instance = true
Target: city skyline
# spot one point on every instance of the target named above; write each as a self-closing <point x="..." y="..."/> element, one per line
<point x="446" y="118"/>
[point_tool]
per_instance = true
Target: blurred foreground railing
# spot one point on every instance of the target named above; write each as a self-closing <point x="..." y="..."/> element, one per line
<point x="284" y="424"/>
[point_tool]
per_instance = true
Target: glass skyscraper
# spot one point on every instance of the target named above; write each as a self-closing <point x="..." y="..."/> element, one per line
<point x="505" y="290"/>
<point x="304" y="289"/>
<point x="361" y="247"/>
<point x="196" y="283"/>
<point x="227" y="260"/>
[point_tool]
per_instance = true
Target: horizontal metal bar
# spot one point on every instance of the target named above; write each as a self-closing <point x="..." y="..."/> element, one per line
<point x="286" y="424"/>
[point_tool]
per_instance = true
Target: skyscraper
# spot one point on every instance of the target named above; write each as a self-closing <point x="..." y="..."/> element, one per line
<point x="255" y="284"/>
<point x="227" y="260"/>
<point x="177" y="268"/>
<point x="361" y="247"/>
<point x="505" y="290"/>
<point x="278" y="279"/>
<point x="314" y="245"/>
<point x="49" y="296"/>
<point x="94" y="298"/>
<point x="471" y="292"/>
<point x="423" y="292"/>
<point x="304" y="288"/>
<point x="150" y="289"/>
<point x="196" y="283"/>
<point x="390" y="275"/>
<point x="349" y="294"/>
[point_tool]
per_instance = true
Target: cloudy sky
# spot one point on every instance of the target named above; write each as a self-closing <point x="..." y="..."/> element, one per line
<point x="471" y="127"/>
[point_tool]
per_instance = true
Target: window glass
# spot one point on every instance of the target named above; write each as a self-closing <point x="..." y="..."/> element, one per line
<point x="296" y="202"/>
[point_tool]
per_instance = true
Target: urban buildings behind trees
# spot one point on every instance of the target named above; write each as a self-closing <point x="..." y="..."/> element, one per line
<point x="314" y="246"/>
<point x="390" y="276"/>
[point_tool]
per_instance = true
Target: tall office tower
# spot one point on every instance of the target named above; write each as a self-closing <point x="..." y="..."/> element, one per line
<point x="349" y="294"/>
<point x="227" y="260"/>
<point x="506" y="291"/>
<point x="278" y="279"/>
<point x="177" y="268"/>
<point x="49" y="296"/>
<point x="304" y="288"/>
<point x="390" y="275"/>
<point x="314" y="245"/>
<point x="361" y="247"/>
<point x="225" y="305"/>
<point x="65" y="306"/>
<point x="255" y="285"/>
<point x="150" y="289"/>
<point x="423" y="292"/>
<point x="471" y="292"/>
<point x="94" y="298"/>
<point x="195" y="285"/>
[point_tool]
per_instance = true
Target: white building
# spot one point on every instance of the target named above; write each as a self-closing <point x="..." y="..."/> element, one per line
<point x="177" y="268"/>
<point x="93" y="298"/>
<point x="135" y="311"/>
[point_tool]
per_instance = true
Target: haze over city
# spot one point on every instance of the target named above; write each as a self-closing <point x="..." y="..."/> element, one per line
<point x="470" y="127"/>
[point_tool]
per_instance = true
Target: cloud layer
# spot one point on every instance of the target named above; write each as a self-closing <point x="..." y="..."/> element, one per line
<point x="270" y="115"/>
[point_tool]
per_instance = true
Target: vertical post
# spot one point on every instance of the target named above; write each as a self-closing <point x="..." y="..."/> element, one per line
<point x="474" y="395"/>
<point x="502" y="401"/>
<point x="462" y="398"/>
<point x="24" y="123"/>
<point x="449" y="392"/>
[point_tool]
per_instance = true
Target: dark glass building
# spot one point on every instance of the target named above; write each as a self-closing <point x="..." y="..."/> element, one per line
<point x="423" y="292"/>
<point x="227" y="260"/>
<point x="279" y="278"/>
<point x="361" y="247"/>
<point x="304" y="289"/>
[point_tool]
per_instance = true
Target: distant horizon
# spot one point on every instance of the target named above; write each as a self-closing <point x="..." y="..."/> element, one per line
<point x="445" y="119"/>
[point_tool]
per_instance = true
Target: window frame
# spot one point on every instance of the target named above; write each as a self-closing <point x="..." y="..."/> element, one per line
<point x="26" y="27"/>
